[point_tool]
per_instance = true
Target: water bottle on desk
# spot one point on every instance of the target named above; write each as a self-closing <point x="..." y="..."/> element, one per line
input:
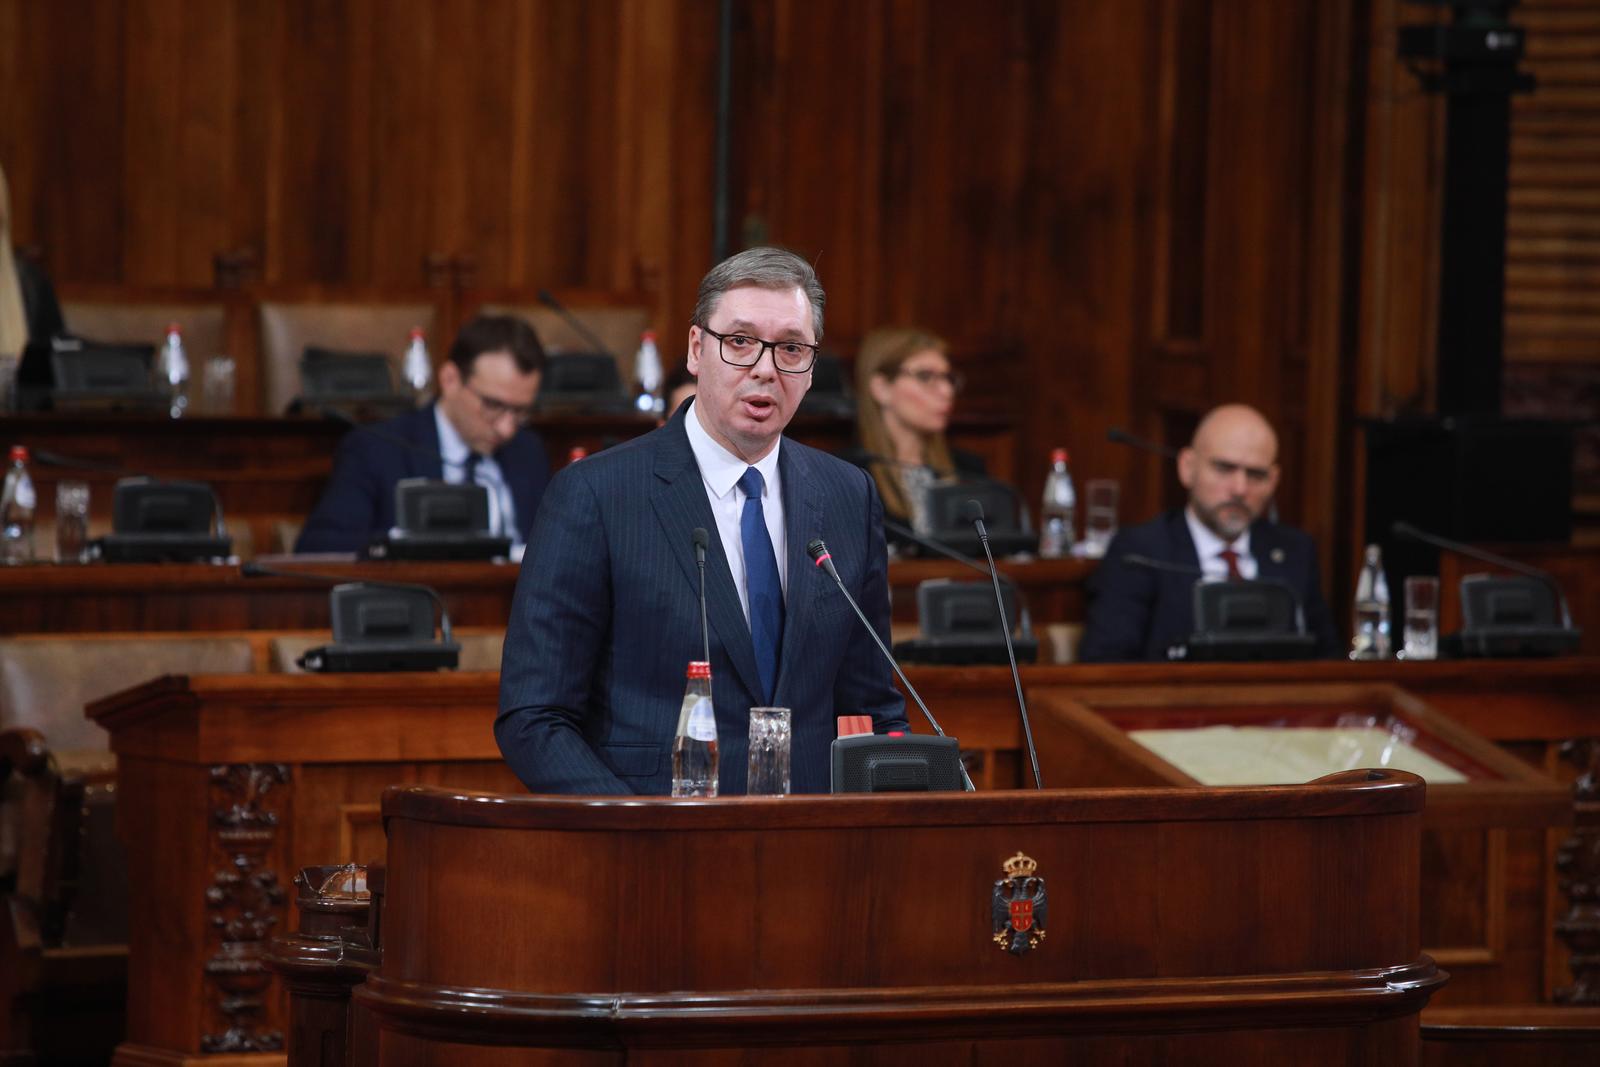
<point x="1370" y="620"/>
<point x="647" y="376"/>
<point x="418" y="367"/>
<point x="172" y="372"/>
<point x="17" y="503"/>
<point x="694" y="751"/>
<point x="1057" y="513"/>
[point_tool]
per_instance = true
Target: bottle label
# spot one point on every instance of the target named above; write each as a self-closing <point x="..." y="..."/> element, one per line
<point x="22" y="494"/>
<point x="702" y="721"/>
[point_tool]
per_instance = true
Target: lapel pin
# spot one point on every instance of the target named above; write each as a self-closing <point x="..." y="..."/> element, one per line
<point x="1277" y="555"/>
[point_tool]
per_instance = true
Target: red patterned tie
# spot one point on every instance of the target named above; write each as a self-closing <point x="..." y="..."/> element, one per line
<point x="1231" y="558"/>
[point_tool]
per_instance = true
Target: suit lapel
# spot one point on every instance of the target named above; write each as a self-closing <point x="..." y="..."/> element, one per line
<point x="802" y="520"/>
<point x="679" y="498"/>
<point x="1266" y="547"/>
<point x="425" y="431"/>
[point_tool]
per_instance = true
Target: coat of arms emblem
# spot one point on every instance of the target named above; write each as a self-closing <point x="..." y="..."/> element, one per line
<point x="1019" y="906"/>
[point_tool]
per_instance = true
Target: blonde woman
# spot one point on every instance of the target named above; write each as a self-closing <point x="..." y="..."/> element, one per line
<point x="29" y="313"/>
<point x="905" y="393"/>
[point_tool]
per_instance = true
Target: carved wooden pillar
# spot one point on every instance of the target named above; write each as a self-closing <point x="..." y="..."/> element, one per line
<point x="1578" y="863"/>
<point x="245" y="901"/>
<point x="331" y="953"/>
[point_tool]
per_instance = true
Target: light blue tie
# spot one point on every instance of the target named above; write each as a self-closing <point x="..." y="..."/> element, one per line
<point x="761" y="583"/>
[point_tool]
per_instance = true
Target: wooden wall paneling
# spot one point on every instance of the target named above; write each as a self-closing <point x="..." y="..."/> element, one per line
<point x="1089" y="196"/>
<point x="401" y="168"/>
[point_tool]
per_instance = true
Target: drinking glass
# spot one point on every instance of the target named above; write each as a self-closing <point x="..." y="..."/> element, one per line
<point x="1100" y="516"/>
<point x="769" y="752"/>
<point x="72" y="522"/>
<point x="1422" y="617"/>
<point x="216" y="385"/>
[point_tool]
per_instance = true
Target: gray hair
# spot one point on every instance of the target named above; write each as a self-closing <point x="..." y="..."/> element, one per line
<point x="766" y="268"/>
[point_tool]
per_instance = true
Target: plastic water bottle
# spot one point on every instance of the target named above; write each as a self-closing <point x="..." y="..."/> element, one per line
<point x="1370" y="621"/>
<point x="17" y="503"/>
<point x="418" y="368"/>
<point x="1058" y="510"/>
<point x="172" y="371"/>
<point x="694" y="752"/>
<point x="647" y="376"/>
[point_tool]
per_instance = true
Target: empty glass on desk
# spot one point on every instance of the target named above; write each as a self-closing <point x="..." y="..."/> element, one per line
<point x="217" y="384"/>
<point x="769" y="752"/>
<point x="1422" y="618"/>
<point x="72" y="522"/>
<point x="1100" y="516"/>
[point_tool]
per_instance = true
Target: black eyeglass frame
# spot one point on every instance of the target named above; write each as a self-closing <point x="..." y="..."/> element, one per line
<point x="494" y="410"/>
<point x="765" y="345"/>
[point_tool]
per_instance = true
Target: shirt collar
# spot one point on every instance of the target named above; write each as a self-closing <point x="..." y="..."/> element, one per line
<point x="720" y="468"/>
<point x="1207" y="544"/>
<point x="451" y="446"/>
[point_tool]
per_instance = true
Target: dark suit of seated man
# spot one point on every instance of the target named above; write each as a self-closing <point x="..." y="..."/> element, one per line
<point x="1231" y="472"/>
<point x="606" y="617"/>
<point x="476" y="431"/>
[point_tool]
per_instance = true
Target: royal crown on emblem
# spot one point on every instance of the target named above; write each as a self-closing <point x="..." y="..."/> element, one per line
<point x="1020" y="866"/>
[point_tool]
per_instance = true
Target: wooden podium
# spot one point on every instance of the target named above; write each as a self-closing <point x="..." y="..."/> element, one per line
<point x="1260" y="925"/>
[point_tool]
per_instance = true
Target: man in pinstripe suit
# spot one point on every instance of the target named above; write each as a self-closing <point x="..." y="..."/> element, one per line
<point x="606" y="615"/>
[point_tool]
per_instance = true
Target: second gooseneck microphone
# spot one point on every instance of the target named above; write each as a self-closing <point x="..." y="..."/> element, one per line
<point x="701" y="540"/>
<point x="822" y="558"/>
<point x="973" y="512"/>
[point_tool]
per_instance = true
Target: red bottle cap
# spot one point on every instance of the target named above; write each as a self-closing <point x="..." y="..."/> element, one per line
<point x="417" y="333"/>
<point x="1058" y="456"/>
<point x="699" y="668"/>
<point x="578" y="452"/>
<point x="648" y="335"/>
<point x="19" y="454"/>
<point x="172" y="327"/>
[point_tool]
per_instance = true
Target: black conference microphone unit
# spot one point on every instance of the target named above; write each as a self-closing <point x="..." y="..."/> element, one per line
<point x="924" y="758"/>
<point x="701" y="540"/>
<point x="1237" y="619"/>
<point x="975" y="516"/>
<point x="375" y="633"/>
<point x="1025" y="617"/>
<point x="550" y="301"/>
<point x="1503" y="616"/>
<point x="153" y="520"/>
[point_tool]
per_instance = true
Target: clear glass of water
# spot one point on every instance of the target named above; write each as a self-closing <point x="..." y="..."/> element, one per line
<point x="769" y="752"/>
<point x="1422" y="618"/>
<point x="1100" y="516"/>
<point x="217" y="385"/>
<point x="72" y="522"/>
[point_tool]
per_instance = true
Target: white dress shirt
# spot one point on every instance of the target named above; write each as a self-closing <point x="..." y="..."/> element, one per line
<point x="721" y="470"/>
<point x="502" y="509"/>
<point x="1208" y="544"/>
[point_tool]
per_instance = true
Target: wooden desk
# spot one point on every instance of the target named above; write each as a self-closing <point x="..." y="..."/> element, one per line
<point x="229" y="784"/>
<point x="271" y="470"/>
<point x="101" y="598"/>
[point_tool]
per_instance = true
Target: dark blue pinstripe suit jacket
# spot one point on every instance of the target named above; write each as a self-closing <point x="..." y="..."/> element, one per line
<point x="607" y="617"/>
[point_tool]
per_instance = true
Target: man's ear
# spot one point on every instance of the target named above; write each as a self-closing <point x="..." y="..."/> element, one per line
<point x="449" y="376"/>
<point x="692" y="358"/>
<point x="1188" y="466"/>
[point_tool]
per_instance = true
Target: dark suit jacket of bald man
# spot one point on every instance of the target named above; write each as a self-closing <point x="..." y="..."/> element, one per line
<point x="1137" y="613"/>
<point x="607" y="617"/>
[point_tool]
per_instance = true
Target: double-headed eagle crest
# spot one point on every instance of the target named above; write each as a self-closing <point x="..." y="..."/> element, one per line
<point x="1019" y="906"/>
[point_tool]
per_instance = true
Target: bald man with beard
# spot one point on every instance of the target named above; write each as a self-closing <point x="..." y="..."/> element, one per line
<point x="1231" y="472"/>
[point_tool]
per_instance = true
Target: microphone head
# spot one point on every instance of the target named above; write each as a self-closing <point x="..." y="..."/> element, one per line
<point x="1404" y="530"/>
<point x="547" y="297"/>
<point x="818" y="550"/>
<point x="972" y="511"/>
<point x="252" y="569"/>
<point x="701" y="538"/>
<point x="1117" y="434"/>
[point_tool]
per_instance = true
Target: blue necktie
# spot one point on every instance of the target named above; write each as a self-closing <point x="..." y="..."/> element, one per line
<point x="761" y="582"/>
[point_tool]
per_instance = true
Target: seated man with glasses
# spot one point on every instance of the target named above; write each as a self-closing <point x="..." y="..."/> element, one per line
<point x="476" y="431"/>
<point x="607" y="611"/>
<point x="905" y="393"/>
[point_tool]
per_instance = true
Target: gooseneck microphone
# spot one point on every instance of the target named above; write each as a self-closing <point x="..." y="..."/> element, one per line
<point x="1407" y="532"/>
<point x="1134" y="559"/>
<point x="335" y="415"/>
<point x="261" y="570"/>
<point x="550" y="301"/>
<point x="822" y="558"/>
<point x="973" y="512"/>
<point x="701" y="540"/>
<point x="1120" y="436"/>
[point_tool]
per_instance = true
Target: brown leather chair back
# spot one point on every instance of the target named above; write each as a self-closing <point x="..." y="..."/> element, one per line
<point x="109" y="321"/>
<point x="619" y="327"/>
<point x="46" y="681"/>
<point x="287" y="328"/>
